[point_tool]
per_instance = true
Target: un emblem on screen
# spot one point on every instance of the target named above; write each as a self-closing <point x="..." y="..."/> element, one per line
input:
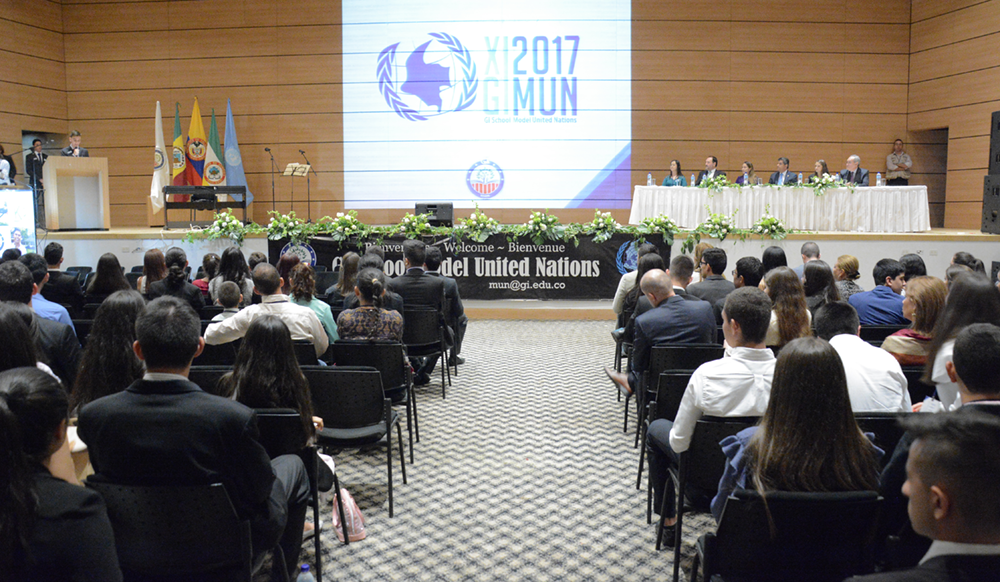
<point x="485" y="179"/>
<point x="435" y="78"/>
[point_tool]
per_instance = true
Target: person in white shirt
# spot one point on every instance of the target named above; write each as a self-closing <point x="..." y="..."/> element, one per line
<point x="301" y="321"/>
<point x="627" y="282"/>
<point x="875" y="382"/>
<point x="736" y="385"/>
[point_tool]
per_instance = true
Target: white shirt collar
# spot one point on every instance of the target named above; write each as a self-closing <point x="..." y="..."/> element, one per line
<point x="162" y="377"/>
<point x="943" y="548"/>
<point x="276" y="298"/>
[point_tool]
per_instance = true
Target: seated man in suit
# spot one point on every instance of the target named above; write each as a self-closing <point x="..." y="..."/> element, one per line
<point x="681" y="268"/>
<point x="74" y="149"/>
<point x="302" y="322"/>
<point x="713" y="285"/>
<point x="739" y="384"/>
<point x="62" y="288"/>
<point x="419" y="290"/>
<point x="748" y="273"/>
<point x="457" y="320"/>
<point x="42" y="306"/>
<point x="673" y="321"/>
<point x="883" y="305"/>
<point x="164" y="430"/>
<point x="783" y="176"/>
<point x="854" y="174"/>
<point x="711" y="170"/>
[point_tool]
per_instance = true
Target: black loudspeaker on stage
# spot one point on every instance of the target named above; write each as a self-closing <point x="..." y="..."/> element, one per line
<point x="442" y="213"/>
<point x="991" y="205"/>
<point x="995" y="144"/>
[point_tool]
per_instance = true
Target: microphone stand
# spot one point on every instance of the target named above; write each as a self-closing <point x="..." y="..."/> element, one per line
<point x="308" y="195"/>
<point x="274" y="205"/>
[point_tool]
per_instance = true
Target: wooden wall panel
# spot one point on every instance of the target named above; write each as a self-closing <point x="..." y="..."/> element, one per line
<point x="925" y="9"/>
<point x="958" y="25"/>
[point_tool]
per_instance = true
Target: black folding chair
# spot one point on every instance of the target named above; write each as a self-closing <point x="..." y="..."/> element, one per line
<point x="305" y="353"/>
<point x="886" y="428"/>
<point x="90" y="310"/>
<point x="423" y="335"/>
<point x="669" y="391"/>
<point x="878" y="333"/>
<point x="133" y="279"/>
<point x="83" y="327"/>
<point x="218" y="355"/>
<point x="355" y="411"/>
<point x="918" y="389"/>
<point x="207" y="377"/>
<point x="824" y="537"/>
<point x="209" y="311"/>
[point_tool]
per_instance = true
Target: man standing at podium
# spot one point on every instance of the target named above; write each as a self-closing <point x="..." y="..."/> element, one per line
<point x="74" y="149"/>
<point x="33" y="168"/>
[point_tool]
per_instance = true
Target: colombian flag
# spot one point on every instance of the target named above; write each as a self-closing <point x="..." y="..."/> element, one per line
<point x="197" y="145"/>
<point x="180" y="159"/>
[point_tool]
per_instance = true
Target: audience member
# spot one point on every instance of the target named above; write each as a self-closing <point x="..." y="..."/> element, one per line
<point x="49" y="529"/>
<point x="154" y="268"/>
<point x="176" y="283"/>
<point x="810" y="252"/>
<point x="713" y="285"/>
<point x="748" y="176"/>
<point x="952" y="273"/>
<point x="301" y="321"/>
<point x="807" y="440"/>
<point x="736" y="385"/>
<point x="924" y="302"/>
<point x="390" y="301"/>
<point x="854" y="174"/>
<point x="699" y="250"/>
<point x="10" y="255"/>
<point x="874" y="379"/>
<point x="883" y="305"/>
<point x="680" y="271"/>
<point x="647" y="263"/>
<point x="964" y="258"/>
<point x="370" y="321"/>
<point x="790" y="318"/>
<point x="376" y="250"/>
<point x="57" y="344"/>
<point x="266" y="373"/>
<point x="898" y="165"/>
<point x="304" y="294"/>
<point x="233" y="267"/>
<point x="913" y="266"/>
<point x="229" y="298"/>
<point x="819" y="285"/>
<point x="783" y="176"/>
<point x="285" y="265"/>
<point x="773" y="258"/>
<point x="209" y="270"/>
<point x="456" y="318"/>
<point x="346" y="281"/>
<point x="419" y="290"/>
<point x="972" y="299"/>
<point x="748" y="273"/>
<point x="629" y="280"/>
<point x="133" y="436"/>
<point x="820" y="170"/>
<point x="42" y="306"/>
<point x="846" y="272"/>
<point x="15" y="328"/>
<point x="255" y="259"/>
<point x="673" y="321"/>
<point x="62" y="288"/>
<point x="108" y="278"/>
<point x="109" y="364"/>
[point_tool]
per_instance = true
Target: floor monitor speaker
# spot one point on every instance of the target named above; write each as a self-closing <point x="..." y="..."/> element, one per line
<point x="991" y="205"/>
<point x="442" y="213"/>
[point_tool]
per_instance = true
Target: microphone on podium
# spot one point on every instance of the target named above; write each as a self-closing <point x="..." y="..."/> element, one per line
<point x="267" y="149"/>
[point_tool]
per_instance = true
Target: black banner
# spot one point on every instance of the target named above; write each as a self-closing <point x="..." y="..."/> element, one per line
<point x="500" y="269"/>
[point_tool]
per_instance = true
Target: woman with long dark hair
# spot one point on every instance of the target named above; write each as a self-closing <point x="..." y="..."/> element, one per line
<point x="819" y="285"/>
<point x="807" y="440"/>
<point x="790" y="317"/>
<point x="923" y="304"/>
<point x="109" y="364"/>
<point x="176" y="283"/>
<point x="286" y="263"/>
<point x="773" y="258"/>
<point x="233" y="267"/>
<point x="209" y="269"/>
<point x="267" y="374"/>
<point x="348" y="279"/>
<point x="49" y="529"/>
<point x="370" y="321"/>
<point x="676" y="175"/>
<point x="19" y="344"/>
<point x="304" y="294"/>
<point x="972" y="298"/>
<point x="647" y="263"/>
<point x="108" y="278"/>
<point x="154" y="268"/>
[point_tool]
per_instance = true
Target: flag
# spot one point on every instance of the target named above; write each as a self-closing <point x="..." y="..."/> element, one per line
<point x="234" y="162"/>
<point x="196" y="147"/>
<point x="180" y="159"/>
<point x="161" y="177"/>
<point x="215" y="172"/>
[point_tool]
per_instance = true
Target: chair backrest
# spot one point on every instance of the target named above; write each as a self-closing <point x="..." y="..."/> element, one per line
<point x="346" y="396"/>
<point x="90" y="310"/>
<point x="684" y="356"/>
<point x="133" y="279"/>
<point x="796" y="536"/>
<point x="885" y="426"/>
<point x="917" y="388"/>
<point x="218" y="355"/>
<point x="305" y="353"/>
<point x="669" y="391"/>
<point x="325" y="280"/>
<point x="207" y="377"/>
<point x="83" y="327"/>
<point x="876" y="333"/>
<point x="281" y="431"/>
<point x="209" y="311"/>
<point x="386" y="357"/>
<point x="137" y="269"/>
<point x="176" y="532"/>
<point x="703" y="463"/>
<point x="421" y="327"/>
<point x="86" y="278"/>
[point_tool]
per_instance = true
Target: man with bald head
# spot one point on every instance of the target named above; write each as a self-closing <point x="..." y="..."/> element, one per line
<point x="672" y="321"/>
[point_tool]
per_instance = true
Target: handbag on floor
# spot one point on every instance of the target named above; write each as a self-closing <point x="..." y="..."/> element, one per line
<point x="352" y="513"/>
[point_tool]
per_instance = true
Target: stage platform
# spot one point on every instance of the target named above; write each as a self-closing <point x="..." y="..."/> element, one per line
<point x="936" y="247"/>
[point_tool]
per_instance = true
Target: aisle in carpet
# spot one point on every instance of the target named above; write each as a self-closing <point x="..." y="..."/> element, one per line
<point x="522" y="473"/>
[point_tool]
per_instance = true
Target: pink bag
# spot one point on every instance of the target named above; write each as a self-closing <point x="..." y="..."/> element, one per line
<point x="352" y="513"/>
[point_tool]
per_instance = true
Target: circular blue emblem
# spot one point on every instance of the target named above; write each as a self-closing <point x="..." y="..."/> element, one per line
<point x="627" y="257"/>
<point x="484" y="179"/>
<point x="304" y="252"/>
<point x="437" y="77"/>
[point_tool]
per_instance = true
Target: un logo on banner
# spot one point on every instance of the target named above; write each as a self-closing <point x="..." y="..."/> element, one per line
<point x="484" y="179"/>
<point x="627" y="257"/>
<point x="304" y="252"/>
<point x="438" y="77"/>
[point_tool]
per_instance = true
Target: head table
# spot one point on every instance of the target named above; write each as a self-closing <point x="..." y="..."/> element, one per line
<point x="874" y="209"/>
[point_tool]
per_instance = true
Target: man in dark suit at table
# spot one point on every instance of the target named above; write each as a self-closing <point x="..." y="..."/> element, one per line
<point x="62" y="288"/>
<point x="73" y="149"/>
<point x="783" y="175"/>
<point x="711" y="170"/>
<point x="419" y="290"/>
<point x="854" y="174"/>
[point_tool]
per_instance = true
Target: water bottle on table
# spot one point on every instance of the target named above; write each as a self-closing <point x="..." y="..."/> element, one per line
<point x="649" y="179"/>
<point x="878" y="179"/>
<point x="693" y="180"/>
<point x="305" y="575"/>
<point x="800" y="178"/>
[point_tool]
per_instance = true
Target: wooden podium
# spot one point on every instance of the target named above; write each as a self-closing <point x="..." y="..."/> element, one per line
<point x="76" y="193"/>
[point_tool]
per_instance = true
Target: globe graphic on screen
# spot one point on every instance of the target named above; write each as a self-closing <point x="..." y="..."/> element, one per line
<point x="426" y="79"/>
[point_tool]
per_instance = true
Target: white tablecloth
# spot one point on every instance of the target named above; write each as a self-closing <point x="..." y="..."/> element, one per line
<point x="883" y="209"/>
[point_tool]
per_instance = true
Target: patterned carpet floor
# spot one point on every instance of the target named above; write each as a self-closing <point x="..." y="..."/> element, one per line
<point x="522" y="473"/>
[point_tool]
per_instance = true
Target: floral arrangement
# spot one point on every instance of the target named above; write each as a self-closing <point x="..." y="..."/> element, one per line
<point x="478" y="226"/>
<point x="769" y="227"/>
<point x="717" y="225"/>
<point x="343" y="226"/>
<point x="716" y="184"/>
<point x="542" y="226"/>
<point x="225" y="225"/>
<point x="413" y="226"/>
<point x="603" y="227"/>
<point x="825" y="182"/>
<point x="661" y="225"/>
